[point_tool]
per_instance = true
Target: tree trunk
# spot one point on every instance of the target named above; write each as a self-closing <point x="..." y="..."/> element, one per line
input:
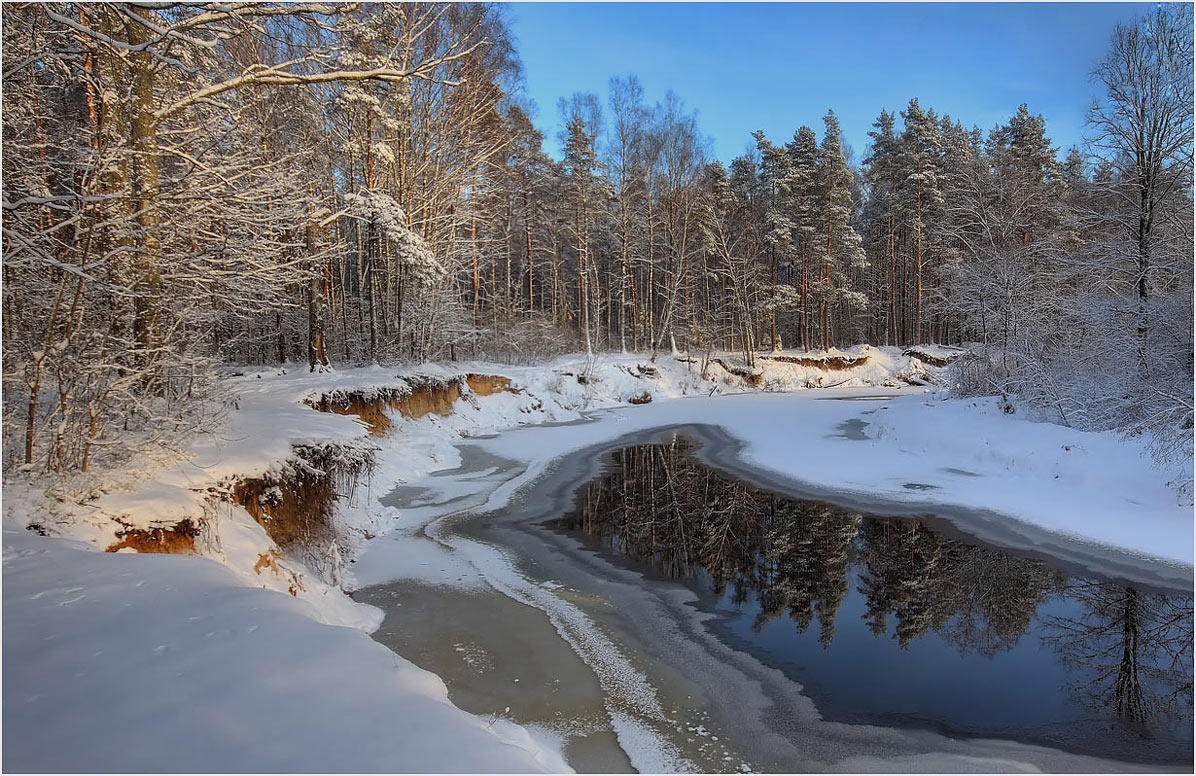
<point x="317" y="306"/>
<point x="772" y="313"/>
<point x="477" y="277"/>
<point x="581" y="272"/>
<point x="144" y="193"/>
<point x="371" y="257"/>
<point x="804" y="319"/>
<point x="650" y="292"/>
<point x="527" y="238"/>
<point x="918" y="272"/>
<point x="892" y="327"/>
<point x="624" y="281"/>
<point x="1142" y="287"/>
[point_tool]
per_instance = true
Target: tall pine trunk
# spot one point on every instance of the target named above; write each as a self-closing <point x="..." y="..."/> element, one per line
<point x="144" y="193"/>
<point x="317" y="304"/>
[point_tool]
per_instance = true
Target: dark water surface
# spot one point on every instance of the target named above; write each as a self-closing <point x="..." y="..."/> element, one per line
<point x="902" y="621"/>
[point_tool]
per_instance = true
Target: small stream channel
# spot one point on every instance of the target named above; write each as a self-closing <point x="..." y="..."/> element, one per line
<point x="781" y="633"/>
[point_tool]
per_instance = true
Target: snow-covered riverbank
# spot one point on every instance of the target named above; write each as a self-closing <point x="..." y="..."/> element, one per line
<point x="125" y="632"/>
<point x="167" y="663"/>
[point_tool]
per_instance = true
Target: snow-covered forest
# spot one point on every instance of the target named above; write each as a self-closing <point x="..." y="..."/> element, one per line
<point x="360" y="414"/>
<point x="342" y="185"/>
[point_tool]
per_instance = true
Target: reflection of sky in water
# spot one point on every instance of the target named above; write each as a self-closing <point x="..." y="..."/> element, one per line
<point x="1027" y="691"/>
<point x="862" y="677"/>
<point x="1024" y="689"/>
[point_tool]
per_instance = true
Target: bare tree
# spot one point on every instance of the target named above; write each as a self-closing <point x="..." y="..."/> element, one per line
<point x="1144" y="127"/>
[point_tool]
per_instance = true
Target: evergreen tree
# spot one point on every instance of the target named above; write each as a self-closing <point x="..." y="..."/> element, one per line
<point x="775" y="179"/>
<point x="881" y="213"/>
<point x="580" y="163"/>
<point x="805" y="206"/>
<point x="922" y="200"/>
<point x="839" y="245"/>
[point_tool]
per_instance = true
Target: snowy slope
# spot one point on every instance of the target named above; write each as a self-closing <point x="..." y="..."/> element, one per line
<point x="115" y="662"/>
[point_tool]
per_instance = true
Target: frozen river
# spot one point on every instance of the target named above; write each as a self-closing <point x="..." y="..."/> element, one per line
<point x="649" y="611"/>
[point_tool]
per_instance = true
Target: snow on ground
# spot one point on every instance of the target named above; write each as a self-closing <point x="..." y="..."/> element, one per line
<point x="1100" y="487"/>
<point x="938" y="352"/>
<point x="111" y="661"/>
<point x="167" y="663"/>
<point x="102" y="644"/>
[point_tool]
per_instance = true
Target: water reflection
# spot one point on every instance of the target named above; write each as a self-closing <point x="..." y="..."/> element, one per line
<point x="978" y="598"/>
<point x="1135" y="648"/>
<point x="1121" y="653"/>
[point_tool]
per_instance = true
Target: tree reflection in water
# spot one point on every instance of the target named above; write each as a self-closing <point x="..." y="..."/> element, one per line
<point x="1135" y="648"/>
<point x="659" y="506"/>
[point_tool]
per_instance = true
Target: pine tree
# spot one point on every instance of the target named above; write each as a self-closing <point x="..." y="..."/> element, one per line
<point x="1021" y="151"/>
<point x="882" y="173"/>
<point x="805" y="205"/>
<point x="580" y="163"/>
<point x="776" y="179"/>
<point x="922" y="200"/>
<point x="839" y="243"/>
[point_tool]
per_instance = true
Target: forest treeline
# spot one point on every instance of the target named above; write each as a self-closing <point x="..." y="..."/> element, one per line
<point x="197" y="184"/>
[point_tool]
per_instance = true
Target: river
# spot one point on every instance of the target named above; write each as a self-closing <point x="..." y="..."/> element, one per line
<point x="652" y="604"/>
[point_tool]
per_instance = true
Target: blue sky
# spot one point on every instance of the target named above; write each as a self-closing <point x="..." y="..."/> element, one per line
<point x="748" y="66"/>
